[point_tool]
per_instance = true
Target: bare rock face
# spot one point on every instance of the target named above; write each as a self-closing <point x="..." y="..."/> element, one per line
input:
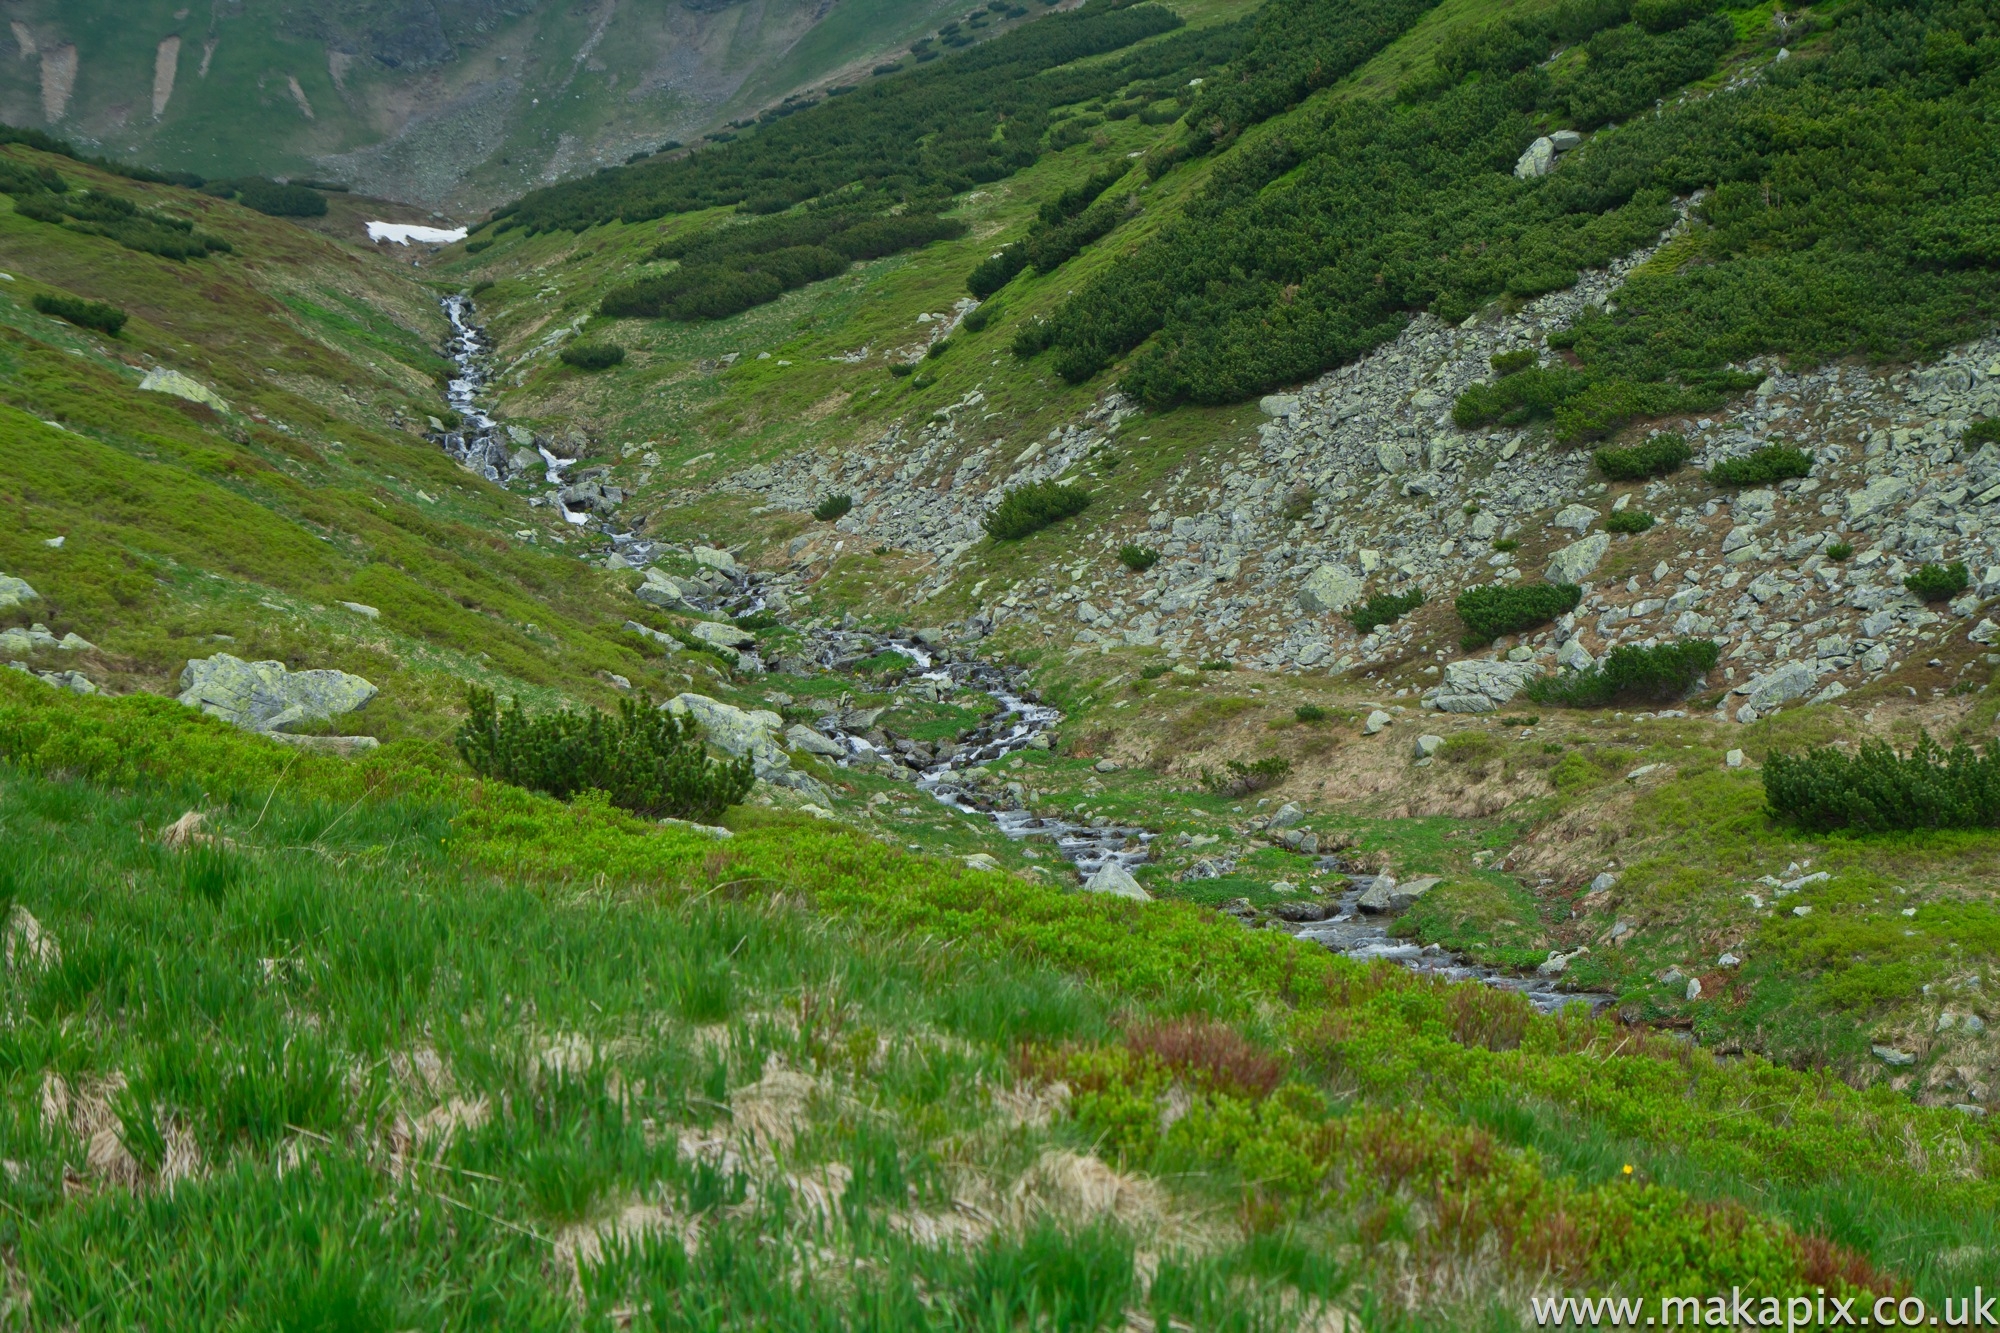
<point x="265" y="696"/>
<point x="1329" y="589"/>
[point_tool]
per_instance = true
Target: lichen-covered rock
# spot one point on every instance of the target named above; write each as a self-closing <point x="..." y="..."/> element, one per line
<point x="1116" y="879"/>
<point x="265" y="696"/>
<point x="722" y="636"/>
<point x="172" y="382"/>
<point x="1573" y="563"/>
<point x="14" y="592"/>
<point x="1329" y="589"/>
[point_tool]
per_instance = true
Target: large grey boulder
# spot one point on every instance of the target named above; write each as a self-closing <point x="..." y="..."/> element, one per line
<point x="715" y="558"/>
<point x="1786" y="683"/>
<point x="1876" y="496"/>
<point x="756" y="734"/>
<point x="1576" y="517"/>
<point x="1538" y="159"/>
<point x="664" y="590"/>
<point x="801" y="737"/>
<point x="1115" y="879"/>
<point x="1573" y="563"/>
<point x="1328" y="589"/>
<point x="1390" y="457"/>
<point x="264" y="696"/>
<point x="721" y="636"/>
<point x="14" y="592"/>
<point x="1476" y="685"/>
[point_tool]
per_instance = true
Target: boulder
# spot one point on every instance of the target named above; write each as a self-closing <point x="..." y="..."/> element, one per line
<point x="1329" y="589"/>
<point x="172" y="382"/>
<point x="1376" y="721"/>
<point x="1538" y="159"/>
<point x="1374" y="899"/>
<point x="1428" y="745"/>
<point x="1576" y="517"/>
<point x="1573" y="563"/>
<point x="802" y="737"/>
<point x="14" y="592"/>
<point x="363" y="609"/>
<point x="1390" y="457"/>
<point x="1288" y="814"/>
<point x="1985" y="632"/>
<point x="1116" y="879"/>
<point x="712" y="557"/>
<point x="1575" y="656"/>
<point x="1477" y="685"/>
<point x="1877" y="495"/>
<point x="1781" y="685"/>
<point x="1279" y="404"/>
<point x="1385" y="897"/>
<point x="737" y="732"/>
<point x="264" y="696"/>
<point x="721" y="636"/>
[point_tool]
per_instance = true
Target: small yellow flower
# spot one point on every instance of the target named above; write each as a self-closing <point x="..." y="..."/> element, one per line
<point x="1628" y="1168"/>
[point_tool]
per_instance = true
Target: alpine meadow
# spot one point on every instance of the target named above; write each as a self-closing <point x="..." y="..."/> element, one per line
<point x="1236" y="666"/>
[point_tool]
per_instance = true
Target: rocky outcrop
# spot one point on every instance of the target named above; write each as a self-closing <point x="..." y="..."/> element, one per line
<point x="15" y="592"/>
<point x="265" y="696"/>
<point x="1477" y="685"/>
<point x="739" y="732"/>
<point x="1115" y="879"/>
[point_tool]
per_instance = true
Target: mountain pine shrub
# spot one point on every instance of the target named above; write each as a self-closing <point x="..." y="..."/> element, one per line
<point x="1877" y="790"/>
<point x="1028" y="509"/>
<point x="1499" y="608"/>
<point x="646" y="760"/>
<point x="1939" y="583"/>
<point x="593" y="356"/>
<point x="1774" y="462"/>
<point x="833" y="507"/>
<point x="1628" y="521"/>
<point x="1384" y="607"/>
<point x="1631" y="674"/>
<point x="1137" y="558"/>
<point x="106" y="319"/>
<point x="1657" y="457"/>
<point x="1510" y="363"/>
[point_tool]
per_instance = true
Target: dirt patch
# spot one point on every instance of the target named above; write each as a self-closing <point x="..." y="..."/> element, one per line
<point x="166" y="63"/>
<point x="58" y="80"/>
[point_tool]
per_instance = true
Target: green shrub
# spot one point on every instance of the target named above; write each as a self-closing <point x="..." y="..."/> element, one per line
<point x="1774" y="462"/>
<point x="1309" y="713"/>
<point x="1506" y="544"/>
<point x="1877" y="790"/>
<point x="1219" y="664"/>
<point x="901" y="369"/>
<point x="646" y="760"/>
<point x="107" y="319"/>
<point x="1658" y="456"/>
<point x="1939" y="583"/>
<point x="978" y="318"/>
<point x="1028" y="509"/>
<point x="1240" y="779"/>
<point x="833" y="507"/>
<point x="1500" y="608"/>
<point x="1839" y="551"/>
<point x="1631" y="674"/>
<point x="997" y="270"/>
<point x="593" y="356"/>
<point x="1658" y="16"/>
<point x="1509" y="363"/>
<point x="1516" y="399"/>
<point x="1627" y="520"/>
<point x="938" y="348"/>
<point x="1384" y="607"/>
<point x="1137" y="558"/>
<point x="1154" y="670"/>
<point x="1981" y="432"/>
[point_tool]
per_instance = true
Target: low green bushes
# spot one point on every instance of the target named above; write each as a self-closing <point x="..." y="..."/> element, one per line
<point x="1840" y="551"/>
<point x="1774" y="462"/>
<point x="833" y="507"/>
<point x="1659" y="674"/>
<point x="1939" y="583"/>
<point x="1137" y="558"/>
<point x="1980" y="432"/>
<point x="1026" y="510"/>
<point x="1657" y="457"/>
<point x="1498" y="608"/>
<point x="646" y="760"/>
<point x="1628" y="521"/>
<point x="1877" y="789"/>
<point x="1512" y="363"/>
<point x="270" y="197"/>
<point x="593" y="356"/>
<point x="106" y="319"/>
<point x="1309" y="713"/>
<point x="1384" y="607"/>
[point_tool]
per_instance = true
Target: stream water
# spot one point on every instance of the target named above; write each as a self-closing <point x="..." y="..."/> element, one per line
<point x="947" y="772"/>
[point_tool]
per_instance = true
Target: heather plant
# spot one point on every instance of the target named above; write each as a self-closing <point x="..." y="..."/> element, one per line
<point x="644" y="759"/>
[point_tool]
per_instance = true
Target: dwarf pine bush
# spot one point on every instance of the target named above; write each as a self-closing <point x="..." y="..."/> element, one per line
<point x="1137" y="558"/>
<point x="1658" y="674"/>
<point x="1028" y="509"/>
<point x="1498" y="609"/>
<point x="1939" y="583"/>
<point x="106" y="319"/>
<point x="1384" y="607"/>
<point x="646" y="760"/>
<point x="833" y="507"/>
<point x="1628" y="521"/>
<point x="593" y="356"/>
<point x="1658" y="456"/>
<point x="1878" y="790"/>
<point x="1774" y="462"/>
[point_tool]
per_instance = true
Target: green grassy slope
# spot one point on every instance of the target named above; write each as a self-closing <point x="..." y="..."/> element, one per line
<point x="542" y="1062"/>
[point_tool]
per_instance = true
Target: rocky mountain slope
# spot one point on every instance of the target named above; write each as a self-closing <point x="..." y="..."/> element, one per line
<point x="454" y="106"/>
